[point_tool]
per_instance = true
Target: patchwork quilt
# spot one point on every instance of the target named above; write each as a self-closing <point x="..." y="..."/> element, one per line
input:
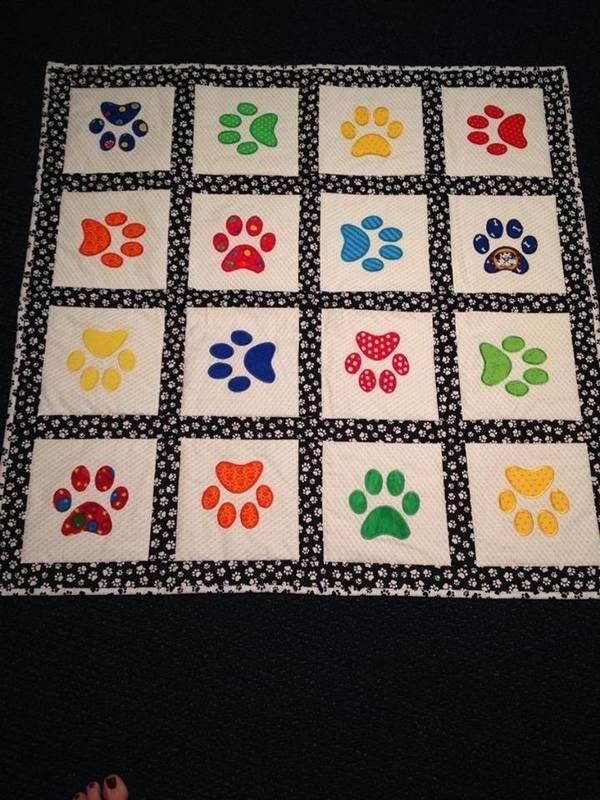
<point x="305" y="329"/>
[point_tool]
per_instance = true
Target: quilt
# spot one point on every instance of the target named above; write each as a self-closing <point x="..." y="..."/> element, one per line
<point x="305" y="329"/>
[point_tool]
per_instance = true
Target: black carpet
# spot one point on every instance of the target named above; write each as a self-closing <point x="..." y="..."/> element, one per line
<point x="267" y="696"/>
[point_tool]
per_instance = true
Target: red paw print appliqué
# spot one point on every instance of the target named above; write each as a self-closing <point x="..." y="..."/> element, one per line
<point x="90" y="516"/>
<point x="244" y="255"/>
<point x="510" y="130"/>
<point x="377" y="347"/>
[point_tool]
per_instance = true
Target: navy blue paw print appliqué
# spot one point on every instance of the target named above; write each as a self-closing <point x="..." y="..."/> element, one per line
<point x="357" y="243"/>
<point x="257" y="361"/>
<point x="506" y="256"/>
<point x="119" y="115"/>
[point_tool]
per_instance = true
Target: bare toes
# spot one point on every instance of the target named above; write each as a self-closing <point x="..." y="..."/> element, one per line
<point x="113" y="788"/>
<point x="92" y="791"/>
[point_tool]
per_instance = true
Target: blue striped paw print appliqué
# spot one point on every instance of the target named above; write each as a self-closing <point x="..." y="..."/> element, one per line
<point x="371" y="243"/>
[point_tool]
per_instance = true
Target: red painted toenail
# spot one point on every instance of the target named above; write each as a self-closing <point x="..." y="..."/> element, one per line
<point x="111" y="782"/>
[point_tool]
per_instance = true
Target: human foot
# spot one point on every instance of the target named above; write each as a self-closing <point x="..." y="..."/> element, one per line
<point x="112" y="788"/>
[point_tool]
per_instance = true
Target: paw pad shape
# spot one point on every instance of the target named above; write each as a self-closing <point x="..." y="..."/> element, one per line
<point x="497" y="365"/>
<point x="97" y="238"/>
<point x="505" y="256"/>
<point x="102" y="345"/>
<point x="510" y="130"/>
<point x="89" y="516"/>
<point x="384" y="520"/>
<point x="119" y="115"/>
<point x="357" y="243"/>
<point x="257" y="361"/>
<point x="243" y="256"/>
<point x="373" y="143"/>
<point x="377" y="347"/>
<point x="261" y="129"/>
<point x="237" y="479"/>
<point x="531" y="483"/>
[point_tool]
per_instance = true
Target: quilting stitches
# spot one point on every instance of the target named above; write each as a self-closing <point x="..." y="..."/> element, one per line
<point x="464" y="575"/>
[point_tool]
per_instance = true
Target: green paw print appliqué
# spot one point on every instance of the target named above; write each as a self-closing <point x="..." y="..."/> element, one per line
<point x="260" y="129"/>
<point x="498" y="365"/>
<point x="384" y="520"/>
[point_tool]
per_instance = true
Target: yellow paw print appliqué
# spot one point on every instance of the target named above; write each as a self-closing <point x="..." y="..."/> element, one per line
<point x="531" y="483"/>
<point x="372" y="143"/>
<point x="102" y="345"/>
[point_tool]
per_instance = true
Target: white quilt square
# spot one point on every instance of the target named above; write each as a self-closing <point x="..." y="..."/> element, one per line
<point x="374" y="243"/>
<point x="246" y="131"/>
<point x="120" y="129"/>
<point x="113" y="240"/>
<point x="238" y="500"/>
<point x="241" y="362"/>
<point x="490" y="131"/>
<point x="102" y="361"/>
<point x="378" y="365"/>
<point x="89" y="500"/>
<point x="384" y="503"/>
<point x="516" y="366"/>
<point x="241" y="241"/>
<point x="533" y="505"/>
<point x="506" y="244"/>
<point x="374" y="131"/>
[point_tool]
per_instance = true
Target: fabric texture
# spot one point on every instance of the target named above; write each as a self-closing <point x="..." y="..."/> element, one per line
<point x="314" y="329"/>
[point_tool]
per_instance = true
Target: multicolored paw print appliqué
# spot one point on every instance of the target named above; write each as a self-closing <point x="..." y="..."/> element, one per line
<point x="357" y="243"/>
<point x="256" y="129"/>
<point x="375" y="140"/>
<point x="509" y="131"/>
<point x="529" y="484"/>
<point x="257" y="361"/>
<point x="244" y="255"/>
<point x="119" y="115"/>
<point x="498" y="365"/>
<point x="505" y="257"/>
<point x="378" y="348"/>
<point x="90" y="516"/>
<point x="98" y="237"/>
<point x="102" y="345"/>
<point x="238" y="479"/>
<point x="385" y="519"/>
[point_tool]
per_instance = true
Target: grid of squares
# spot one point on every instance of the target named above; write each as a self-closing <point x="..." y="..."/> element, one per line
<point x="317" y="436"/>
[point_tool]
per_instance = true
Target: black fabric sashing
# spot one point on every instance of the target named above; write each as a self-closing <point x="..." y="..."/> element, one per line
<point x="160" y="572"/>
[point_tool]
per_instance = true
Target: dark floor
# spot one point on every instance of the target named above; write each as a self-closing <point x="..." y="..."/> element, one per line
<point x="251" y="696"/>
